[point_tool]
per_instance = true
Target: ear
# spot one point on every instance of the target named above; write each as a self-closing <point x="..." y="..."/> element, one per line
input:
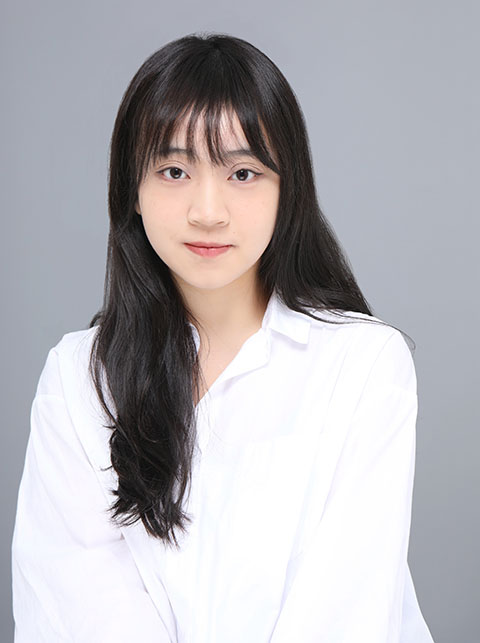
<point x="137" y="208"/>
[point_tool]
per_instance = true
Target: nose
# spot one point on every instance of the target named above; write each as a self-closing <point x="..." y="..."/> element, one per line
<point x="208" y="207"/>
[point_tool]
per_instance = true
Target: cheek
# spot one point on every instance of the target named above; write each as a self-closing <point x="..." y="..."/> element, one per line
<point x="157" y="230"/>
<point x="257" y="229"/>
<point x="265" y="216"/>
<point x="258" y="209"/>
<point x="161" y="215"/>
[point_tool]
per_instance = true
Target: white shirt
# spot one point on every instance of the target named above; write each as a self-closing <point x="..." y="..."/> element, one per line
<point x="301" y="501"/>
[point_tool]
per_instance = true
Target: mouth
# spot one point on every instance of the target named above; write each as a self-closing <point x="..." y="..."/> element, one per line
<point x="207" y="244"/>
<point x="207" y="251"/>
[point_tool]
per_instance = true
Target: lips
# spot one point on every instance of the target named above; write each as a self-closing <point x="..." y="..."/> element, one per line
<point x="207" y="251"/>
<point x="207" y="244"/>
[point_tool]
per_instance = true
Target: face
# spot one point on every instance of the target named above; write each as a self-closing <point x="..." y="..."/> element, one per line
<point x="234" y="206"/>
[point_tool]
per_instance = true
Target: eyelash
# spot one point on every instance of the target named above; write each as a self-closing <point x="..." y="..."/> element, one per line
<point x="236" y="172"/>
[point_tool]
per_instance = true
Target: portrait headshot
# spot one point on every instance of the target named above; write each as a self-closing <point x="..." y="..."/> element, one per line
<point x="240" y="405"/>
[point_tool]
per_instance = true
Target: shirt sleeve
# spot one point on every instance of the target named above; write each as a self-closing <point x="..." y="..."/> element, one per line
<point x="74" y="578"/>
<point x="349" y="580"/>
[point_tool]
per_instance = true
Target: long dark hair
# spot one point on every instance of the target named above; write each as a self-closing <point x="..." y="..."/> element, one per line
<point x="144" y="346"/>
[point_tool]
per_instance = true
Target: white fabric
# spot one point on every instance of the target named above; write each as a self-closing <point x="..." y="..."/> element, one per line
<point x="300" y="498"/>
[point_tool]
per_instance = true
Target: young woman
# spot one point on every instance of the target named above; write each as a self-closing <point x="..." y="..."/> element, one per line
<point x="227" y="453"/>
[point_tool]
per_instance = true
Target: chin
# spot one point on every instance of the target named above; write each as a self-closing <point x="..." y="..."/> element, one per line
<point x="207" y="283"/>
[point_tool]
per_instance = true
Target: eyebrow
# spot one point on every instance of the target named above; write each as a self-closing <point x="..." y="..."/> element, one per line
<point x="243" y="151"/>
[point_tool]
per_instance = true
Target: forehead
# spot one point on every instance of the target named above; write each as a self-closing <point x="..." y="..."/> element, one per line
<point x="227" y="127"/>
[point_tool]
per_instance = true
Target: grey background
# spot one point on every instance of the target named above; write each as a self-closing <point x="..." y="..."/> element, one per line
<point x="390" y="92"/>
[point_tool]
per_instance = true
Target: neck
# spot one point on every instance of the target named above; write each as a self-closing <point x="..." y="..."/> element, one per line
<point x="228" y="313"/>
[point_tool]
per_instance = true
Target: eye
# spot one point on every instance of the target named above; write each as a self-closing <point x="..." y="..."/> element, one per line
<point x="176" y="172"/>
<point x="243" y="175"/>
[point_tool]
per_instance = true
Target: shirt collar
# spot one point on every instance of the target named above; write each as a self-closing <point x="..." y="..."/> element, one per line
<point x="286" y="321"/>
